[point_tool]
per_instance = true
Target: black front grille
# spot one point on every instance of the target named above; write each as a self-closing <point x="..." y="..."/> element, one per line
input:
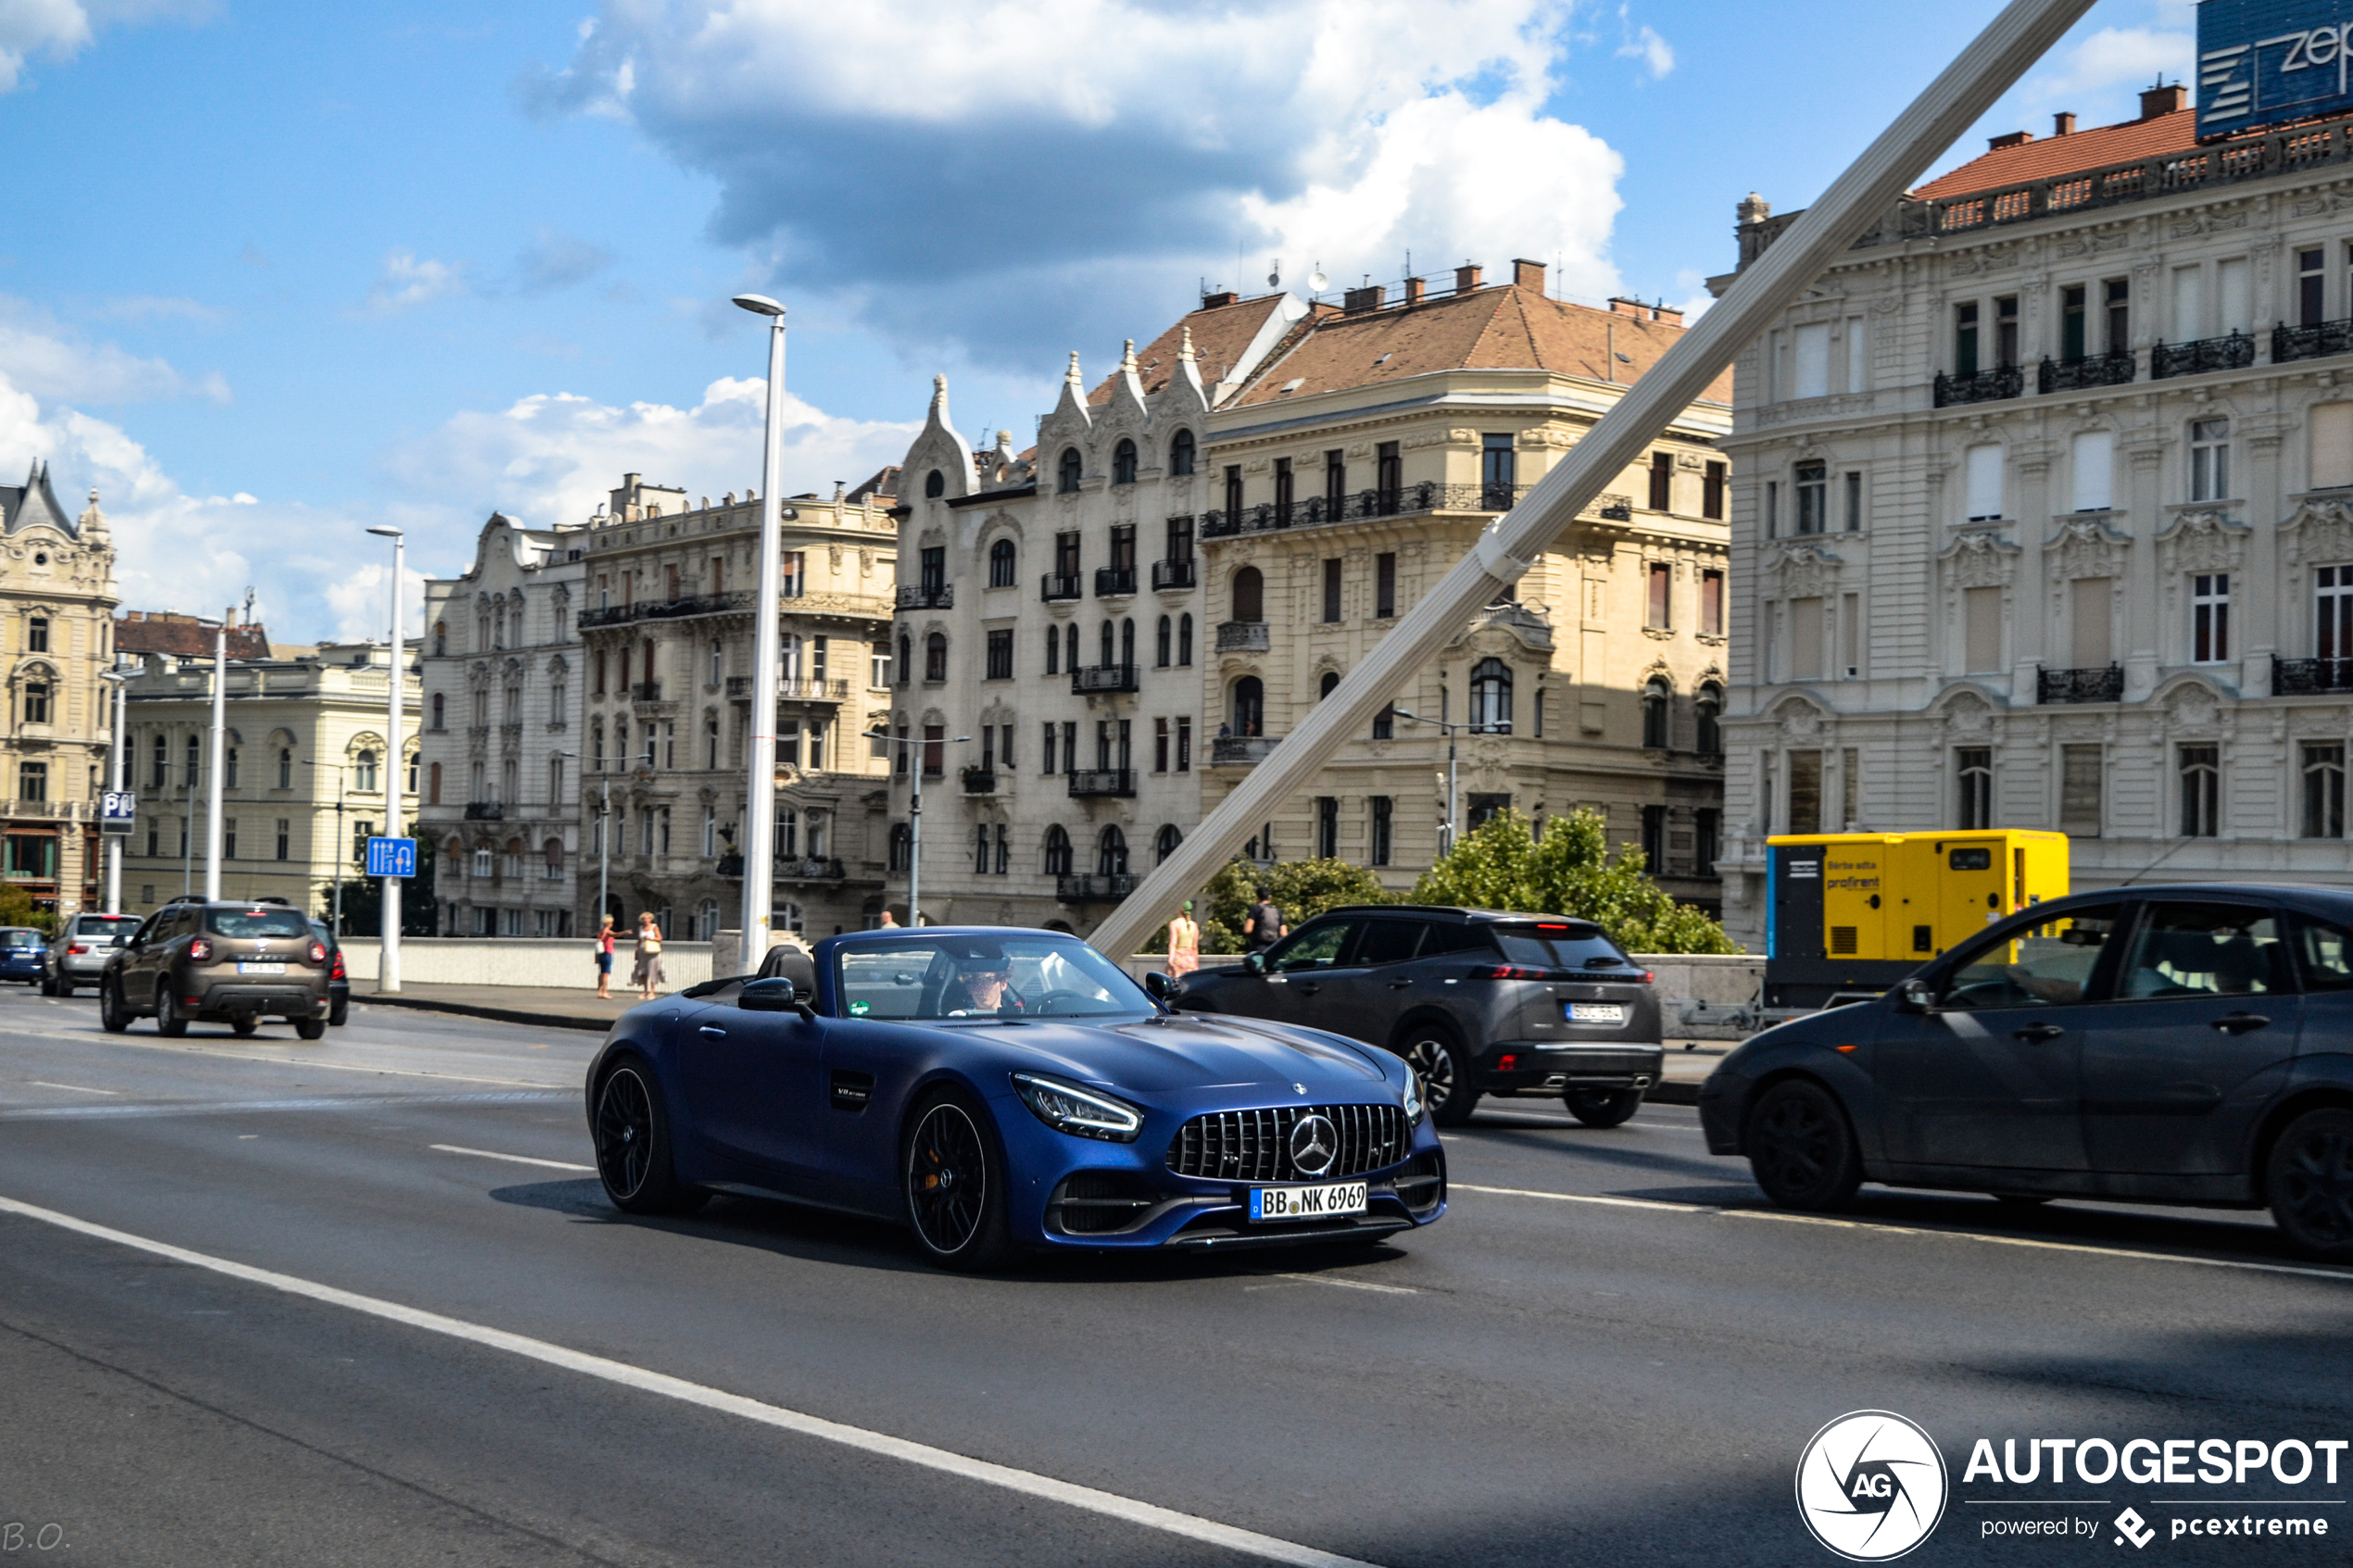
<point x="1254" y="1145"/>
<point x="1099" y="1202"/>
<point x="1423" y="1182"/>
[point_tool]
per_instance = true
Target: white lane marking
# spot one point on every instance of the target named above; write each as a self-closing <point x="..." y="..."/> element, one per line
<point x="1027" y="1483"/>
<point x="70" y="1088"/>
<point x="517" y="1159"/>
<point x="2340" y="1277"/>
<point x="1350" y="1283"/>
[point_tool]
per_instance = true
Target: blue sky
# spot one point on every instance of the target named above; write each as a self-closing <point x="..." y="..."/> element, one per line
<point x="278" y="271"/>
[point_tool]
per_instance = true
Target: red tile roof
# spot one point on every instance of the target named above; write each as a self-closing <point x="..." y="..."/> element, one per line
<point x="1220" y="334"/>
<point x="2053" y="155"/>
<point x="183" y="636"/>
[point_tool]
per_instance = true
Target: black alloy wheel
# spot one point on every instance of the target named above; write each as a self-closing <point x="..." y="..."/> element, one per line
<point x="113" y="1016"/>
<point x="632" y="1135"/>
<point x="171" y="1023"/>
<point x="2310" y="1177"/>
<point x="1603" y="1108"/>
<point x="1801" y="1148"/>
<point x="955" y="1187"/>
<point x="1446" y="1076"/>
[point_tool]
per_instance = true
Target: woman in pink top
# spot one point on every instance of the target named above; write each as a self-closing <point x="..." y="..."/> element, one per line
<point x="604" y="959"/>
<point x="1184" y="944"/>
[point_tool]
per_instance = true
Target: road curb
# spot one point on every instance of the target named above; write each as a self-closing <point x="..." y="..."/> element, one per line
<point x="498" y="1015"/>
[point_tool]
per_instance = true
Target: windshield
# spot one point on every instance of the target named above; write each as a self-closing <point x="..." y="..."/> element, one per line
<point x="105" y="925"/>
<point x="263" y="922"/>
<point x="1560" y="946"/>
<point x="983" y="976"/>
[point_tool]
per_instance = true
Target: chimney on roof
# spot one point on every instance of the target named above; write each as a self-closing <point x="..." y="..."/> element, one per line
<point x="1671" y="315"/>
<point x="1372" y="296"/>
<point x="1755" y="209"/>
<point x="2062" y="125"/>
<point x="2163" y="98"/>
<point x="1414" y="290"/>
<point x="1619" y="305"/>
<point x="1220" y="299"/>
<point x="1466" y="278"/>
<point x="2009" y="139"/>
<point x="1528" y="275"/>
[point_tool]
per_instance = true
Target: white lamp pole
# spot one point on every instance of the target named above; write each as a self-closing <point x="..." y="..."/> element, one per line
<point x="759" y="798"/>
<point x="119" y="679"/>
<point x="388" y="964"/>
<point x="220" y="730"/>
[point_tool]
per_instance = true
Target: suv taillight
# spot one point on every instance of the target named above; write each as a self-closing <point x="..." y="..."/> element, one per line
<point x="199" y="951"/>
<point x="318" y="952"/>
<point x="339" y="973"/>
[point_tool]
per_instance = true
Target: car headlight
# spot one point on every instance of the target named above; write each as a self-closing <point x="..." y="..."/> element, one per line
<point x="1083" y="1114"/>
<point x="1413" y="1095"/>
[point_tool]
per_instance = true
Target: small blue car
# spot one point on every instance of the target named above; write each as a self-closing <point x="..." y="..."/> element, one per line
<point x="22" y="950"/>
<point x="994" y="1089"/>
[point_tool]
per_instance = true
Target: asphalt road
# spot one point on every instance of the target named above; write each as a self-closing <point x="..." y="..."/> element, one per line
<point x="1609" y="1351"/>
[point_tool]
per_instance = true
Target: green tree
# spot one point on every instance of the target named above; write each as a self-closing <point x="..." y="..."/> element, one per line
<point x="1503" y="865"/>
<point x="15" y="908"/>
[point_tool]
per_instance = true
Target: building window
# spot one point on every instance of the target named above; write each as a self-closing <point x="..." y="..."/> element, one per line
<point x="2209" y="459"/>
<point x="36" y="702"/>
<point x="1160" y="746"/>
<point x="1490" y="698"/>
<point x="36" y="634"/>
<point x="1066" y="480"/>
<point x="1000" y="655"/>
<point x="1655" y="839"/>
<point x="1659" y="605"/>
<point x="1983" y="477"/>
<point x="2311" y="268"/>
<point x="793" y="573"/>
<point x="1813" y="496"/>
<point x="1058" y="855"/>
<point x="1054" y="651"/>
<point x="1974" y="766"/>
<point x="1382" y="806"/>
<point x="1332" y="590"/>
<point x="1854" y="502"/>
<point x="1162" y="640"/>
<point x="935" y="657"/>
<point x="1327" y="826"/>
<point x="1662" y="482"/>
<point x="1180" y="454"/>
<point x="1388" y="475"/>
<point x="2333" y="612"/>
<point x="285" y="839"/>
<point x="1709" y="710"/>
<point x="1003" y="562"/>
<point x="1805" y="792"/>
<point x="1711" y="604"/>
<point x="1385" y="585"/>
<point x="1657" y="705"/>
<point x="2006" y="330"/>
<point x="1711" y="494"/>
<point x="1485" y="807"/>
<point x="1965" y="339"/>
<point x="363" y="772"/>
<point x="1250" y="595"/>
<point x="2211" y="618"/>
<point x="1250" y="706"/>
<point x="2324" y="790"/>
<point x="2201" y="770"/>
<point x="32" y="781"/>
<point x="1185" y="640"/>
<point x="1123" y="462"/>
<point x="1498" y="472"/>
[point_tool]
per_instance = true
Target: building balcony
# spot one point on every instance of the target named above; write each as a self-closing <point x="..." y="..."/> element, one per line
<point x="739" y="688"/>
<point x="1241" y="751"/>
<point x="1980" y="386"/>
<point x="1115" y="582"/>
<point x="1055" y="586"/>
<point x="1103" y="783"/>
<point x="1242" y="636"/>
<point x="486" y="811"/>
<point x="928" y="596"/>
<point x="2297" y="677"/>
<point x="2098" y="684"/>
<point x="979" y="781"/>
<point x="2315" y="342"/>
<point x="811" y="691"/>
<point x="1170" y="575"/>
<point x="1096" y="678"/>
<point x="2232" y="353"/>
<point x="1098" y="888"/>
<point x="2090" y="370"/>
<point x="667" y="609"/>
<point x="804" y="869"/>
<point x="1317" y="512"/>
<point x="645" y="691"/>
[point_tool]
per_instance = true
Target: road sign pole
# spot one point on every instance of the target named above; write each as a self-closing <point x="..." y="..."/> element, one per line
<point x="114" y="841"/>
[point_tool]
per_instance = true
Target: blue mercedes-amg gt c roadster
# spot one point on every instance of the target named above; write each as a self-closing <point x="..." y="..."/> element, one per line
<point x="993" y="1089"/>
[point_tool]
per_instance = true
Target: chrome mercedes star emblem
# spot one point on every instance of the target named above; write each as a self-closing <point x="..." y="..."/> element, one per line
<point x="1314" y="1144"/>
<point x="1298" y="1088"/>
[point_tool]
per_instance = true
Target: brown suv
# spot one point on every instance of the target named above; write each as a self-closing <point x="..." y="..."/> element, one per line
<point x="236" y="964"/>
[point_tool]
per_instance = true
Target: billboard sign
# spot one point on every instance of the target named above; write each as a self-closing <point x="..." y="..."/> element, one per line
<point x="392" y="856"/>
<point x="2260" y="62"/>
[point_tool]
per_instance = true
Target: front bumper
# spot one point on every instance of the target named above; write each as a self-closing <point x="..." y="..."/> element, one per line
<point x="1550" y="1067"/>
<point x="1721" y="1096"/>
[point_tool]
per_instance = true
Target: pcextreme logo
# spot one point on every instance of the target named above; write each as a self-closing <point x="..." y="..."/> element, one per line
<point x="1871" y="1485"/>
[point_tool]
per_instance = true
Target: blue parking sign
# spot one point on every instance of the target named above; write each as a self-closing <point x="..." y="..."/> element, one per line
<point x="392" y="856"/>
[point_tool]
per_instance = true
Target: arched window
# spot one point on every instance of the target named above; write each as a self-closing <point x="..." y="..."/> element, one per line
<point x="935" y="657"/>
<point x="1109" y="643"/>
<point x="438" y="722"/>
<point x="1490" y="698"/>
<point x="1165" y="841"/>
<point x="1180" y="454"/>
<point x="1325" y="688"/>
<point x="514" y="859"/>
<point x="1110" y="852"/>
<point x="554" y="852"/>
<point x="285" y="768"/>
<point x="1066" y="480"/>
<point x="900" y="841"/>
<point x="1185" y="639"/>
<point x="1053" y="651"/>
<point x="433" y="778"/>
<point x="1250" y="595"/>
<point x="440" y="638"/>
<point x="597" y="747"/>
<point x="1057" y="851"/>
<point x="195" y="760"/>
<point x="1123" y="462"/>
<point x="1070" y="645"/>
<point x="1161" y="643"/>
<point x="162" y="773"/>
<point x="1002" y="564"/>
<point x="1657" y="697"/>
<point x="1250" y="706"/>
<point x="1709" y="707"/>
<point x="906" y="658"/>
<point x="1127" y="642"/>
<point x="363" y="772"/>
<point x="935" y="485"/>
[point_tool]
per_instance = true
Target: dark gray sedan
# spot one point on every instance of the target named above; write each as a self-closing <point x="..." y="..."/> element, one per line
<point x="1480" y="1002"/>
<point x="2157" y="1045"/>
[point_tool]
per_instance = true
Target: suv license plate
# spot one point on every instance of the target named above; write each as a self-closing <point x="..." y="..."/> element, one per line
<point x="1307" y="1203"/>
<point x="1597" y="1012"/>
<point x="261" y="969"/>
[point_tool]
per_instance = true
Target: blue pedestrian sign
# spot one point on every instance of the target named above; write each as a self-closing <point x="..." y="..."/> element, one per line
<point x="392" y="856"/>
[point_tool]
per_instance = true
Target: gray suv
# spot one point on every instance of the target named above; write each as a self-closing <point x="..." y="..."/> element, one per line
<point x="1480" y="1002"/>
<point x="78" y="954"/>
<point x="238" y="963"/>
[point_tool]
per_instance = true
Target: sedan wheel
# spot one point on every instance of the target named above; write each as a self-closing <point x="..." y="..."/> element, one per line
<point x="64" y="988"/>
<point x="1801" y="1148"/>
<point x="633" y="1145"/>
<point x="170" y="1022"/>
<point x="113" y="1017"/>
<point x="1603" y="1108"/>
<point x="2310" y="1177"/>
<point x="955" y="1185"/>
<point x="1437" y="1062"/>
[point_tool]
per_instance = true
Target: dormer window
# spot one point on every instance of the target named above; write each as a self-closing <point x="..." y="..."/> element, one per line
<point x="935" y="485"/>
<point x="1123" y="462"/>
<point x="1067" y="484"/>
<point x="1180" y="454"/>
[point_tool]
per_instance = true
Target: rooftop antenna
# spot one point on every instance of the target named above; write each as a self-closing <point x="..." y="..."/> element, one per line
<point x="1316" y="281"/>
<point x="1275" y="273"/>
<point x="248" y="619"/>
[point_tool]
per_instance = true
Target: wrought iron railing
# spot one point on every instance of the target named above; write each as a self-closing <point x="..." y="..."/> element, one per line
<point x="1112" y="580"/>
<point x="2315" y="342"/>
<point x="1094" y="887"/>
<point x="486" y="811"/>
<point x="1317" y="510"/>
<point x="740" y="687"/>
<point x="667" y="609"/>
<point x="1104" y="678"/>
<point x="1173" y="574"/>
<point x="2087" y="371"/>
<point x="803" y="869"/>
<point x="1056" y="586"/>
<point x="2099" y="684"/>
<point x="928" y="596"/>
<point x="1980" y="387"/>
<point x="1242" y="636"/>
<point x="1236" y="751"/>
<point x="2293" y="677"/>
<point x="1102" y="784"/>
<point x="979" y="781"/>
<point x="2235" y="351"/>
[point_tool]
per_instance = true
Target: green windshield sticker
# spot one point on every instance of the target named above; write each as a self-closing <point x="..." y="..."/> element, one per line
<point x="860" y="1010"/>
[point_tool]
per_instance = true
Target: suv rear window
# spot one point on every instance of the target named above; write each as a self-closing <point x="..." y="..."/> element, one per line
<point x="105" y="925"/>
<point x="256" y="923"/>
<point x="1560" y="946"/>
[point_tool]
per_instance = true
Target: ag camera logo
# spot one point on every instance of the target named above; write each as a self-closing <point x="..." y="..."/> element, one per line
<point x="1871" y="1485"/>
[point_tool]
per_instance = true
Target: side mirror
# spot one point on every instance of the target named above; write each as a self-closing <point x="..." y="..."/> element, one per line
<point x="1160" y="986"/>
<point x="1913" y="995"/>
<point x="773" y="994"/>
<point x="1253" y="963"/>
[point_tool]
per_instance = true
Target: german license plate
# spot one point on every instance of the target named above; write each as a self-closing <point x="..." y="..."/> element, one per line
<point x="1307" y="1203"/>
<point x="261" y="969"/>
<point x="1597" y="1012"/>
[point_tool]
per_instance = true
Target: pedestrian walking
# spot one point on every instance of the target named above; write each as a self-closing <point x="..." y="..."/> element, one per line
<point x="890" y="921"/>
<point x="648" y="977"/>
<point x="604" y="959"/>
<point x="1264" y="925"/>
<point x="1184" y="943"/>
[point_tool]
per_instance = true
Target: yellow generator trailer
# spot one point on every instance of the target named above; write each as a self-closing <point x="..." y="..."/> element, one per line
<point x="1848" y="914"/>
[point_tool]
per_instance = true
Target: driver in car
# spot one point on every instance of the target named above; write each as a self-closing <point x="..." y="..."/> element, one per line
<point x="982" y="986"/>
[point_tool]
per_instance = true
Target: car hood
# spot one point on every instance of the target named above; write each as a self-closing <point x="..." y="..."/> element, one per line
<point x="1191" y="1051"/>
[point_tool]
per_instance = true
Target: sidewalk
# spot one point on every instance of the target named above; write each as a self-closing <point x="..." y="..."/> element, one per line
<point x="1687" y="1062"/>
<point x="550" y="1006"/>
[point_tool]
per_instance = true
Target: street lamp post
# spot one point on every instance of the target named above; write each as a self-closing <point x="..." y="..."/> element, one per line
<point x="760" y="797"/>
<point x="119" y="678"/>
<point x="600" y="881"/>
<point x="1445" y="834"/>
<point x="914" y="818"/>
<point x="336" y="906"/>
<point x="388" y="966"/>
<point x="212" y="789"/>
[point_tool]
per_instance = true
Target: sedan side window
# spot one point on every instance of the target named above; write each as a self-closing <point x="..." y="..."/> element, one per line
<point x="2034" y="966"/>
<point x="2327" y="953"/>
<point x="2207" y="950"/>
<point x="1319" y="946"/>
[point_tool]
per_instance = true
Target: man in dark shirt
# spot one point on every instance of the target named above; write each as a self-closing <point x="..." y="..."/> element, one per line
<point x="1264" y="926"/>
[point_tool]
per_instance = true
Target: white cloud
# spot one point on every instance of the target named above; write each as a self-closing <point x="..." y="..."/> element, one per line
<point x="407" y="282"/>
<point x="160" y="308"/>
<point x="1643" y="43"/>
<point x="47" y="359"/>
<point x="62" y="29"/>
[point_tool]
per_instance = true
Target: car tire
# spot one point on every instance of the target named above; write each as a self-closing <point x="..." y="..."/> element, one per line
<point x="340" y="1013"/>
<point x="1603" y="1108"/>
<point x="951" y="1151"/>
<point x="1439" y="1061"/>
<point x="171" y="1023"/>
<point x="1801" y="1148"/>
<point x="244" y="1027"/>
<point x="114" y="1017"/>
<point x="631" y="1131"/>
<point x="310" y="1028"/>
<point x="2310" y="1179"/>
<point x="62" y="989"/>
<point x="48" y="986"/>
